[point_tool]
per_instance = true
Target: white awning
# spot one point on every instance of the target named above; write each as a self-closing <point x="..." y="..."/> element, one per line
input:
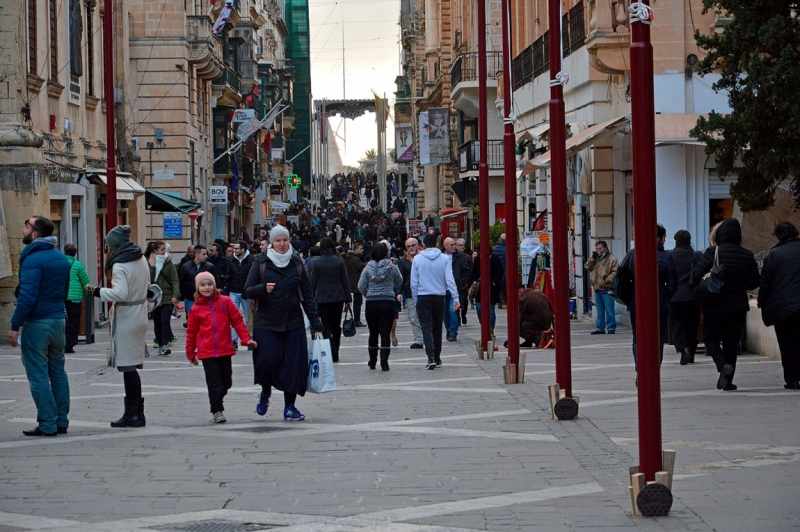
<point x="576" y="143"/>
<point x="278" y="205"/>
<point x="536" y="132"/>
<point x="127" y="187"/>
<point x="674" y="129"/>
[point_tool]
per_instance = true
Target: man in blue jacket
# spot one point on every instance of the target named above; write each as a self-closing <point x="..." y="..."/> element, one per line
<point x="40" y="312"/>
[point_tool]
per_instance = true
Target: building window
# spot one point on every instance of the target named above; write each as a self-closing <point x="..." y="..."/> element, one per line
<point x="33" y="65"/>
<point x="192" y="175"/>
<point x="90" y="48"/>
<point x="53" y="12"/>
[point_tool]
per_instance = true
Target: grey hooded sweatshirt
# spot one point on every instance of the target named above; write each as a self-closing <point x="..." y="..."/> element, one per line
<point x="378" y="280"/>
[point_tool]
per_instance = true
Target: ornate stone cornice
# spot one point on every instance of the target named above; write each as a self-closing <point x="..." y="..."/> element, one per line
<point x="54" y="89"/>
<point x="35" y="83"/>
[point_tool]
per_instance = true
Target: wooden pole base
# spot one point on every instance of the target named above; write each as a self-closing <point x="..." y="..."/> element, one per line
<point x="638" y="484"/>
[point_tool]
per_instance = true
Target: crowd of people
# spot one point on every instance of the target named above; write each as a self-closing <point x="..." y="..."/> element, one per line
<point x="336" y="260"/>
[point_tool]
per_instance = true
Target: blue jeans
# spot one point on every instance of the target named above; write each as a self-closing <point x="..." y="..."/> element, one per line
<point x="244" y="305"/>
<point x="605" y="311"/>
<point x="358" y="299"/>
<point x="492" y="315"/>
<point x="43" y="357"/>
<point x="451" y="318"/>
<point x="187" y="306"/>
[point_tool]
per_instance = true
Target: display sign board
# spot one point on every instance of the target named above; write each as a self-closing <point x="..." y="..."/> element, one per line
<point x="173" y="225"/>
<point x="243" y="115"/>
<point x="218" y="195"/>
<point x="274" y="190"/>
<point x="163" y="175"/>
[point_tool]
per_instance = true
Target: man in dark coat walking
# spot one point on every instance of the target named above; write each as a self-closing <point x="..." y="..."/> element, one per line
<point x="779" y="299"/>
<point x="684" y="315"/>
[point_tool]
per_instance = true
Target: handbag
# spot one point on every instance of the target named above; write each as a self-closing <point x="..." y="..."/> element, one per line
<point x="475" y="290"/>
<point x="622" y="287"/>
<point x="349" y="324"/>
<point x="709" y="291"/>
<point x="321" y="378"/>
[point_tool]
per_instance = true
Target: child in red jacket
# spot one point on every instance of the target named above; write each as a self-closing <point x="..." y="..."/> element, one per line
<point x="208" y="337"/>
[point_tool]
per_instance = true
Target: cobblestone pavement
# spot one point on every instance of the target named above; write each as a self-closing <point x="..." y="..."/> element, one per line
<point x="453" y="449"/>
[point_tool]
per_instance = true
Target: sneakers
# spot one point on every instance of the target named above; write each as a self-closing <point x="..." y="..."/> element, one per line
<point x="290" y="413"/>
<point x="430" y="365"/>
<point x="218" y="417"/>
<point x="359" y="324"/>
<point x="164" y="351"/>
<point x="262" y="405"/>
<point x="416" y="346"/>
<point x="598" y="332"/>
<point x="452" y="338"/>
<point x="173" y="341"/>
<point x="438" y="362"/>
<point x="155" y="345"/>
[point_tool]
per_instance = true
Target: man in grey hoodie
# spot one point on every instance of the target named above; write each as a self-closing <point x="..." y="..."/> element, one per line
<point x="431" y="278"/>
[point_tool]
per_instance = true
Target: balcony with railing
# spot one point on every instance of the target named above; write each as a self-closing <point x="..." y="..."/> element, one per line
<point x="205" y="50"/>
<point x="228" y="87"/>
<point x="469" y="157"/>
<point x="464" y="80"/>
<point x="608" y="39"/>
<point x="534" y="60"/>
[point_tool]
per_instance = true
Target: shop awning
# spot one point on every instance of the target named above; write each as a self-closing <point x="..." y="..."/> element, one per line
<point x="576" y="143"/>
<point x="127" y="187"/>
<point x="674" y="129"/>
<point x="278" y="205"/>
<point x="161" y="202"/>
<point x="536" y="133"/>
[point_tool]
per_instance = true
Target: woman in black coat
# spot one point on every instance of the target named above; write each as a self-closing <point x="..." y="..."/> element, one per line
<point x="280" y="287"/>
<point x="496" y="275"/>
<point x="779" y="299"/>
<point x="684" y="315"/>
<point x="331" y="290"/>
<point x="724" y="319"/>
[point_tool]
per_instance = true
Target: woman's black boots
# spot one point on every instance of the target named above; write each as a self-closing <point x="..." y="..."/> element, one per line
<point x="373" y="357"/>
<point x="385" y="351"/>
<point x="134" y="414"/>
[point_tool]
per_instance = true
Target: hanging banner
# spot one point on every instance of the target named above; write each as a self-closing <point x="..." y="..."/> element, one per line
<point x="439" y="132"/>
<point x="404" y="143"/>
<point x="248" y="128"/>
<point x="243" y="115"/>
<point x="424" y="140"/>
<point x="224" y="15"/>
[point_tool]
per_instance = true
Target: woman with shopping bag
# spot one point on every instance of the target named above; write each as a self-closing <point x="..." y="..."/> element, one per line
<point x="331" y="291"/>
<point x="282" y="291"/>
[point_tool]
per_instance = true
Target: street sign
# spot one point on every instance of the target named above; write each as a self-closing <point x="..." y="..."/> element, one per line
<point x="218" y="195"/>
<point x="193" y="214"/>
<point x="173" y="225"/>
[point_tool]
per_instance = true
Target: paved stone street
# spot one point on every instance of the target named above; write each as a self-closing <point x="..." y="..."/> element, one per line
<point x="409" y="450"/>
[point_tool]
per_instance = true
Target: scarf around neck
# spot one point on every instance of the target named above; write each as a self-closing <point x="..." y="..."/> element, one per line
<point x="160" y="261"/>
<point x="127" y="252"/>
<point x="281" y="260"/>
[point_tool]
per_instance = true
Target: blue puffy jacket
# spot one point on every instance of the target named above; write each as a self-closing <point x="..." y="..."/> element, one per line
<point x="43" y="283"/>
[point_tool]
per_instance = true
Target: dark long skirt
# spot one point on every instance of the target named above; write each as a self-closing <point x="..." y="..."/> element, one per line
<point x="281" y="360"/>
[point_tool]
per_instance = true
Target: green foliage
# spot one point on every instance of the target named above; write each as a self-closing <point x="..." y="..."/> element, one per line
<point x="758" y="57"/>
<point x="495" y="230"/>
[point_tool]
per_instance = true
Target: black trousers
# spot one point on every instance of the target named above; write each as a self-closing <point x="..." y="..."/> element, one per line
<point x="358" y="299"/>
<point x="380" y="317"/>
<point x="219" y="379"/>
<point x="788" y="333"/>
<point x="161" y="324"/>
<point x="463" y="297"/>
<point x="73" y="324"/>
<point x="663" y="331"/>
<point x="684" y="318"/>
<point x="331" y="316"/>
<point x="725" y="328"/>
<point x="430" y="311"/>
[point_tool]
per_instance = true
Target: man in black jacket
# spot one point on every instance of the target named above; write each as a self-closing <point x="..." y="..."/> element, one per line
<point x="461" y="273"/>
<point x="684" y="315"/>
<point x="238" y="267"/>
<point x="667" y="285"/>
<point x="188" y="272"/>
<point x="779" y="299"/>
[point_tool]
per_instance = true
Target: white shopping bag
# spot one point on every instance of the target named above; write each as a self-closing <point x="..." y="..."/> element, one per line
<point x="321" y="378"/>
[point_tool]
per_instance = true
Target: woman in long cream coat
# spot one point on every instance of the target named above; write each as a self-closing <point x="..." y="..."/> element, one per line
<point x="130" y="278"/>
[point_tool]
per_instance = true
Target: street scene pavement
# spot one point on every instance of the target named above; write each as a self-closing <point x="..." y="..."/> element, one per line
<point x="453" y="449"/>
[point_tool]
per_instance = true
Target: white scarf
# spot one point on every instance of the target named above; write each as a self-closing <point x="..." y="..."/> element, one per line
<point x="281" y="260"/>
<point x="160" y="261"/>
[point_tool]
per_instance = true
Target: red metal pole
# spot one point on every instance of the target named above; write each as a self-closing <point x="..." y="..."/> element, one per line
<point x="509" y="160"/>
<point x="558" y="180"/>
<point x="111" y="171"/>
<point x="483" y="178"/>
<point x="644" y="220"/>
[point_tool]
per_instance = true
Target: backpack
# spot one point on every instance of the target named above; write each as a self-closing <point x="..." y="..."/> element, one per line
<point x="622" y="287"/>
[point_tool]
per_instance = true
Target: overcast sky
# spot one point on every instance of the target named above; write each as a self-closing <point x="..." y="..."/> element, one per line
<point x="370" y="32"/>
